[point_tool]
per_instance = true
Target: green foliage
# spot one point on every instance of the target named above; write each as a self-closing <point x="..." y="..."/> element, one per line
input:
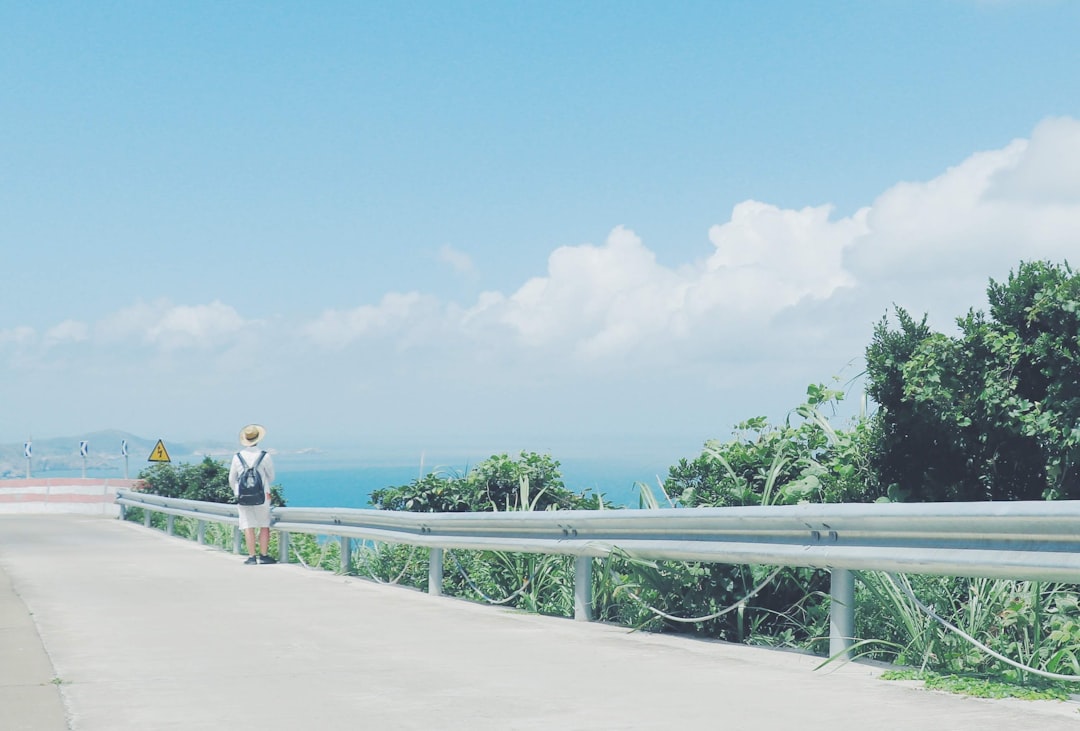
<point x="1038" y="626"/>
<point x="207" y="481"/>
<point x="306" y="549"/>
<point x="981" y="687"/>
<point x="1032" y="623"/>
<point x="435" y="492"/>
<point x="221" y="536"/>
<point x="539" y="583"/>
<point x="900" y="631"/>
<point x="791" y="610"/>
<point x="993" y="413"/>
<point x="805" y="459"/>
<point x="530" y="481"/>
<point x="391" y="563"/>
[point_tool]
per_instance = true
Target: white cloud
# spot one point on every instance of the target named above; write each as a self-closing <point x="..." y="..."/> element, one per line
<point x="197" y="326"/>
<point x="1047" y="172"/>
<point x="614" y="299"/>
<point x="459" y="261"/>
<point x="338" y="328"/>
<point x="67" y="331"/>
<point x="769" y="258"/>
<point x="131" y="322"/>
<point x="17" y="335"/>
<point x="930" y="246"/>
<point x="777" y="298"/>
<point x="594" y="298"/>
<point x="171" y="327"/>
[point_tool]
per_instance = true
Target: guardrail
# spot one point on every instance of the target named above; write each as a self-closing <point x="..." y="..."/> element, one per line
<point x="1010" y="540"/>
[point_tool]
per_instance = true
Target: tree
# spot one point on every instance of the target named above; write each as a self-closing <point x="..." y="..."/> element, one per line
<point x="993" y="413"/>
<point x="904" y="433"/>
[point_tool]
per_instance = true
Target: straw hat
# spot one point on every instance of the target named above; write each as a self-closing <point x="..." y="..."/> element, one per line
<point x="252" y="434"/>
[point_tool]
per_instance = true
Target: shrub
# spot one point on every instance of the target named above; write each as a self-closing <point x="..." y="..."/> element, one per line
<point x="530" y="481"/>
<point x="207" y="481"/>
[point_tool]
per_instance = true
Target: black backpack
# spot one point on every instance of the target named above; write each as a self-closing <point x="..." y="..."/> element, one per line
<point x="251" y="489"/>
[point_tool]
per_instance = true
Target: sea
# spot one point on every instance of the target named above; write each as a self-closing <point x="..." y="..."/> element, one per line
<point x="318" y="481"/>
<point x="351" y="486"/>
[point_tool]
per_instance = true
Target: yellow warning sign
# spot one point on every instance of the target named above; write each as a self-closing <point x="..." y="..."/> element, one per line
<point x="159" y="454"/>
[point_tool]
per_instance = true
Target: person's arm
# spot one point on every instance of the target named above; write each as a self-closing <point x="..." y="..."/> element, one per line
<point x="268" y="473"/>
<point x="234" y="476"/>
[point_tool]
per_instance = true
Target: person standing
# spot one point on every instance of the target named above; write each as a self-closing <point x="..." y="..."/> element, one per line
<point x="254" y="516"/>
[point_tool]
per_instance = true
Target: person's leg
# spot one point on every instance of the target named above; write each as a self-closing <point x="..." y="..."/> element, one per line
<point x="249" y="534"/>
<point x="264" y="546"/>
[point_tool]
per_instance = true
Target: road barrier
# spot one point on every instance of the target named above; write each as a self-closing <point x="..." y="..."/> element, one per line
<point x="1007" y="540"/>
<point x="78" y="495"/>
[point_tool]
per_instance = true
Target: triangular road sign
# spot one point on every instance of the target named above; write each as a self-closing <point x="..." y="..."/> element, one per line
<point x="159" y="454"/>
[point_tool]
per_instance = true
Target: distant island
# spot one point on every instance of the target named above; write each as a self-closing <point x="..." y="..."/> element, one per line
<point x="57" y="454"/>
<point x="61" y="454"/>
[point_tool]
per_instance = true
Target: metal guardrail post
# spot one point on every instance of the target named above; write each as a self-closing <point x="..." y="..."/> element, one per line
<point x="170" y="524"/>
<point x="583" y="588"/>
<point x="841" y="612"/>
<point x="435" y="572"/>
<point x="236" y="539"/>
<point x="146" y="517"/>
<point x="346" y="554"/>
<point x="283" y="547"/>
<point x="201" y="533"/>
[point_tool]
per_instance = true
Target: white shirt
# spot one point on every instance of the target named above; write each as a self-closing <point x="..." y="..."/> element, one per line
<point x="266" y="469"/>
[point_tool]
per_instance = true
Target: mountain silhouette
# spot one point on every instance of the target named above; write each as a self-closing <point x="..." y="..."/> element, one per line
<point x="62" y="453"/>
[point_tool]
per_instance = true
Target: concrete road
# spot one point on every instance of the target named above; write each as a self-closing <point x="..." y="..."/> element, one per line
<point x="144" y="632"/>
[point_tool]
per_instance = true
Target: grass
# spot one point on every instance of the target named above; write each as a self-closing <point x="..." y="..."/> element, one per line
<point x="980" y="687"/>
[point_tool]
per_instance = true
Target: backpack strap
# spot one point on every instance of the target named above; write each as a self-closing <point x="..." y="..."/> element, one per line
<point x="245" y="464"/>
<point x="259" y="460"/>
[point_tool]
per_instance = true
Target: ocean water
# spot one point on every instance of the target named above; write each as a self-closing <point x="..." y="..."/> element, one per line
<point x="350" y="486"/>
<point x="313" y="481"/>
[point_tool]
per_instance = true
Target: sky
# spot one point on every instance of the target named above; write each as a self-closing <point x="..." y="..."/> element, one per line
<point x="582" y="228"/>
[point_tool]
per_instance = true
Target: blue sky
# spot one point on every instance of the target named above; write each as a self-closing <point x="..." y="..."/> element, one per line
<point x="556" y="226"/>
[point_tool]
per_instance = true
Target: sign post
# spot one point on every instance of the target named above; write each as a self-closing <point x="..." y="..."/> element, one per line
<point x="159" y="454"/>
<point x="124" y="454"/>
<point x="84" y="449"/>
<point x="27" y="450"/>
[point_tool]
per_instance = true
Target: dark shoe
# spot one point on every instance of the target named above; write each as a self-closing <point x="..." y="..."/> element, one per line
<point x="251" y="561"/>
<point x="267" y="559"/>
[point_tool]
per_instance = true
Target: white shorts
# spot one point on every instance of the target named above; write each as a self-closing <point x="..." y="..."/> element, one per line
<point x="254" y="516"/>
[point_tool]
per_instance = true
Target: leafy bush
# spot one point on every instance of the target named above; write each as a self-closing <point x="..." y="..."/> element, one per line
<point x="1032" y="623"/>
<point x="992" y="414"/>
<point x="207" y="481"/>
<point x="530" y="481"/>
<point x="805" y="459"/>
